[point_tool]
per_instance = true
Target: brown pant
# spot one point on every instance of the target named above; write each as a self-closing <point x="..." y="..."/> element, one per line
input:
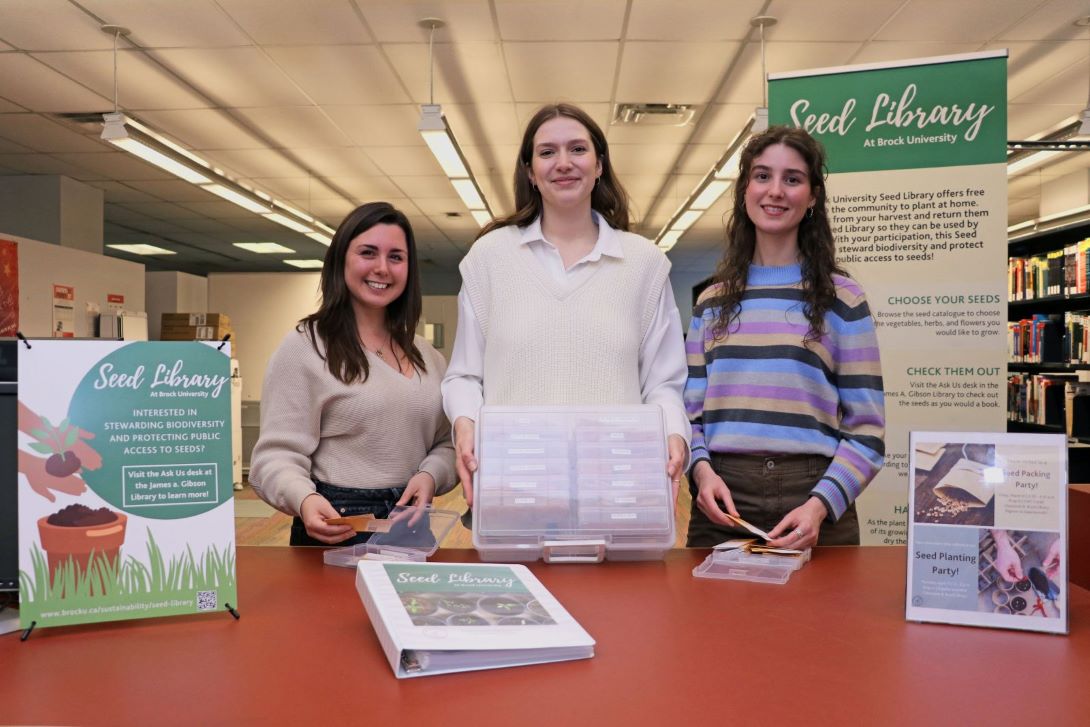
<point x="764" y="489"/>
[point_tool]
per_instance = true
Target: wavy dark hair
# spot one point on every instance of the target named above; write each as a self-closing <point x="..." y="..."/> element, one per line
<point x="817" y="249"/>
<point x="608" y="198"/>
<point x="335" y="321"/>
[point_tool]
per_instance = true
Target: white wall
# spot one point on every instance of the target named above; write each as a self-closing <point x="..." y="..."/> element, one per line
<point x="41" y="265"/>
<point x="173" y="292"/>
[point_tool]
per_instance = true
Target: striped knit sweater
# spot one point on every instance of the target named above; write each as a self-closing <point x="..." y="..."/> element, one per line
<point x="759" y="390"/>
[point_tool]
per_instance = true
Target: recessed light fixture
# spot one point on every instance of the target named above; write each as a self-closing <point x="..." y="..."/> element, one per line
<point x="263" y="247"/>
<point x="142" y="249"/>
<point x="305" y="263"/>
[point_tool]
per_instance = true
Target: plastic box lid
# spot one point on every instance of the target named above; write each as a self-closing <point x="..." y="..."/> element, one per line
<point x="741" y="566"/>
<point x="414" y="535"/>
<point x="572" y="484"/>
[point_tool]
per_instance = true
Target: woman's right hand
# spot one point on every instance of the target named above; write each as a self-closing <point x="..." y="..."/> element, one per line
<point x="465" y="461"/>
<point x="711" y="490"/>
<point x="314" y="511"/>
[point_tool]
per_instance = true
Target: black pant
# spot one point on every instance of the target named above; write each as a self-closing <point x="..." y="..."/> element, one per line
<point x="764" y="489"/>
<point x="349" y="501"/>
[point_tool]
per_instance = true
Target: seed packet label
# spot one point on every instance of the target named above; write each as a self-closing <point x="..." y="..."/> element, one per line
<point x="988" y="519"/>
<point x="125" y="499"/>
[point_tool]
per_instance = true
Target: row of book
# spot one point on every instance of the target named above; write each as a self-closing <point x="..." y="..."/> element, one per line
<point x="1056" y="400"/>
<point x="1050" y="338"/>
<point x="1060" y="272"/>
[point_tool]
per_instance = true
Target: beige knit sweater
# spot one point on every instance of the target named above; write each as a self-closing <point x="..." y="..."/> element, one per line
<point x="374" y="434"/>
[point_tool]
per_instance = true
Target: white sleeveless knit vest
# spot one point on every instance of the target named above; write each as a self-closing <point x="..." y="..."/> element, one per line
<point x="555" y="343"/>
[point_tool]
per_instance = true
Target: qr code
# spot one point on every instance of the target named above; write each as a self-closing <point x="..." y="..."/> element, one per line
<point x="206" y="600"/>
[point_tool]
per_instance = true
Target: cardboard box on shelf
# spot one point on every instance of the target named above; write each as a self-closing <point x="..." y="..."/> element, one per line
<point x="196" y="319"/>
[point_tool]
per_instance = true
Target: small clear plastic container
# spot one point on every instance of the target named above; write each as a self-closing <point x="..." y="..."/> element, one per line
<point x="737" y="565"/>
<point x="412" y="535"/>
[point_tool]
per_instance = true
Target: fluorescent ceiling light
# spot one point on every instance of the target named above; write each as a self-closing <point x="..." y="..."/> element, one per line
<point x="481" y="216"/>
<point x="1021" y="226"/>
<point x="1031" y="161"/>
<point x="263" y="247"/>
<point x="670" y="239"/>
<point x="686" y="219"/>
<point x="287" y="222"/>
<point x="467" y="190"/>
<point x="145" y="152"/>
<point x="142" y="249"/>
<point x="236" y="198"/>
<point x="321" y="237"/>
<point x="433" y="127"/>
<point x="711" y="194"/>
<point x="305" y="263"/>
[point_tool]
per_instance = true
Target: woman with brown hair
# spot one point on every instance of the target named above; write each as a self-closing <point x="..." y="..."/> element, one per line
<point x="560" y="304"/>
<point x="785" y="385"/>
<point x="351" y="413"/>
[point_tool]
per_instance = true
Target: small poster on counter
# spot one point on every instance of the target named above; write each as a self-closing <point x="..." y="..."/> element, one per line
<point x="64" y="311"/>
<point x="125" y="488"/>
<point x="987" y="530"/>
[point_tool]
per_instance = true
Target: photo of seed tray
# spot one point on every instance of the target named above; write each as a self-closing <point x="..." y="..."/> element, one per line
<point x="475" y="609"/>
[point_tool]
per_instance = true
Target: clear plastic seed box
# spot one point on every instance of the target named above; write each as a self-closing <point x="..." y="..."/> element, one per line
<point x="410" y="534"/>
<point x="572" y="484"/>
<point x="738" y="565"/>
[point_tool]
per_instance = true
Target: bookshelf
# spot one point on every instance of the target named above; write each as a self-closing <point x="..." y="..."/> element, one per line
<point x="1048" y="315"/>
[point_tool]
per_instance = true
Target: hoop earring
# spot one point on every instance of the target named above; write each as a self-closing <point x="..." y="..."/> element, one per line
<point x="596" y="180"/>
<point x="809" y="213"/>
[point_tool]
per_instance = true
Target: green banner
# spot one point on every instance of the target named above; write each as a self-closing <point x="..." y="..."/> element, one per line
<point x="906" y="117"/>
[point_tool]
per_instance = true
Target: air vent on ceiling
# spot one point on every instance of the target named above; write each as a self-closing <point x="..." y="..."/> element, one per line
<point x="653" y="114"/>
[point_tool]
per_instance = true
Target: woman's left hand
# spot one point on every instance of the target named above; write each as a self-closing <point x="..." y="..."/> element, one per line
<point x="678" y="451"/>
<point x="799" y="528"/>
<point x="419" y="491"/>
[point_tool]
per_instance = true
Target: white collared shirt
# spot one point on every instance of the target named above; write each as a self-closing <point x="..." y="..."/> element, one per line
<point x="662" y="365"/>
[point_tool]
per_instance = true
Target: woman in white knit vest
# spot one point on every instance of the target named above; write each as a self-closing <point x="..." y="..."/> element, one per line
<point x="560" y="304"/>
<point x="351" y="413"/>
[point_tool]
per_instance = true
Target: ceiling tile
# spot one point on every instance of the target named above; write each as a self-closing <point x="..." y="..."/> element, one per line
<point x="424" y="187"/>
<point x="170" y="24"/>
<point x="484" y="124"/>
<point x="367" y="188"/>
<point x="9" y="107"/>
<point x="1031" y="64"/>
<point x="247" y="163"/>
<point x="404" y="160"/>
<point x="601" y="113"/>
<point x="10" y="147"/>
<point x="38" y="164"/>
<point x="701" y="20"/>
<point x="397" y="22"/>
<point x="38" y="87"/>
<point x="567" y="78"/>
<point x="377" y="125"/>
<point x="339" y="162"/>
<point x="43" y="134"/>
<point x="296" y="126"/>
<point x="201" y="129"/>
<point x="642" y="159"/>
<point x="340" y="75"/>
<point x="887" y="51"/>
<point x="116" y="165"/>
<point x="939" y="20"/>
<point x="464" y="72"/>
<point x="1047" y="21"/>
<point x="746" y="85"/>
<point x="839" y="21"/>
<point x="315" y="22"/>
<point x="161" y="210"/>
<point x="235" y="76"/>
<point x="141" y="83"/>
<point x="50" y="25"/>
<point x="120" y="193"/>
<point x="564" y="20"/>
<point x="672" y="72"/>
<point x="1029" y="120"/>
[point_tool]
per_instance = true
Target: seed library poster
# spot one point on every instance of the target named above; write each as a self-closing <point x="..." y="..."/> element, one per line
<point x="917" y="195"/>
<point x="125" y="492"/>
<point x="988" y="530"/>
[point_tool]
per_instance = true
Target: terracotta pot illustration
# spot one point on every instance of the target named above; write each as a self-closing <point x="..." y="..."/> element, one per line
<point x="80" y="542"/>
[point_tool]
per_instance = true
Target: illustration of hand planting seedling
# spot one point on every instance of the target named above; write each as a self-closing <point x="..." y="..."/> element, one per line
<point x="57" y="442"/>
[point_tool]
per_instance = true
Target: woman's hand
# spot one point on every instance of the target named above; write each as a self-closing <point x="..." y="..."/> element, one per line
<point x="419" y="491"/>
<point x="711" y="490"/>
<point x="799" y="528"/>
<point x="1007" y="561"/>
<point x="465" y="461"/>
<point x="678" y="451"/>
<point x="1052" y="560"/>
<point x="314" y="511"/>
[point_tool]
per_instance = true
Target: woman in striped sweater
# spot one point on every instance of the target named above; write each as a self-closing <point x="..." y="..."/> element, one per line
<point x="785" y="384"/>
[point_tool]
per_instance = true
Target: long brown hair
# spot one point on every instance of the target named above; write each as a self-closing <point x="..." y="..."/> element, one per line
<point x="817" y="249"/>
<point x="335" y="321"/>
<point x="608" y="198"/>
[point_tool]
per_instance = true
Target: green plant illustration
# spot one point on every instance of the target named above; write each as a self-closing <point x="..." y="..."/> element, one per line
<point x="57" y="442"/>
<point x="116" y="582"/>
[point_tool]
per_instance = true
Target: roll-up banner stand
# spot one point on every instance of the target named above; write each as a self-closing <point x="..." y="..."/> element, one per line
<point x="917" y="196"/>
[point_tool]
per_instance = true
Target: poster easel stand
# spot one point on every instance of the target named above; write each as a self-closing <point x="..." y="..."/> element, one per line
<point x="26" y="632"/>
